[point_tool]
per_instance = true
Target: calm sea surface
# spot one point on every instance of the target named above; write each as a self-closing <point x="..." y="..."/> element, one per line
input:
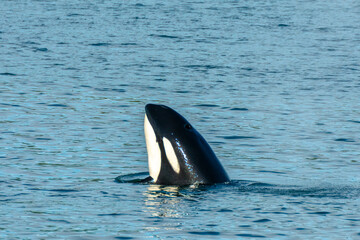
<point x="274" y="87"/>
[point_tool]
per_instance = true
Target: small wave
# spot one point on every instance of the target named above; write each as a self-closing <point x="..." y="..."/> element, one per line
<point x="206" y="66"/>
<point x="101" y="44"/>
<point x="206" y="105"/>
<point x="163" y="36"/>
<point x="239" y="109"/>
<point x="7" y="74"/>
<point x="142" y="177"/>
<point x="237" y="137"/>
<point x="120" y="90"/>
<point x="204" y="233"/>
<point x="41" y="49"/>
<point x="58" y="105"/>
<point x="320" y="191"/>
<point x="344" y="140"/>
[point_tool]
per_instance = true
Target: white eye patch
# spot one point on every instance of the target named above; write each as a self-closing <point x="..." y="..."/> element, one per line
<point x="171" y="155"/>
<point x="153" y="149"/>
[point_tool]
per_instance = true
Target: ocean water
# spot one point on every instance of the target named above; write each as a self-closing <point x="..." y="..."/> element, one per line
<point x="273" y="86"/>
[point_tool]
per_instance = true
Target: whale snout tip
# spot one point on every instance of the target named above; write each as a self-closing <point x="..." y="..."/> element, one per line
<point x="151" y="106"/>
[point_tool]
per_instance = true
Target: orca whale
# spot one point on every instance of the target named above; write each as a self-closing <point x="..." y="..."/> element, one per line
<point x="177" y="153"/>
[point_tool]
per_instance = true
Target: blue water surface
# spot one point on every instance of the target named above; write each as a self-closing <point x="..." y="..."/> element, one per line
<point x="272" y="85"/>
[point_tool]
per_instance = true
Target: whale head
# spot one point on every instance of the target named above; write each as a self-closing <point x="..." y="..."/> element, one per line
<point x="177" y="153"/>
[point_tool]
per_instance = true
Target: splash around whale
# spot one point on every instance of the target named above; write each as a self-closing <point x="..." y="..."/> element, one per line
<point x="177" y="153"/>
<point x="180" y="157"/>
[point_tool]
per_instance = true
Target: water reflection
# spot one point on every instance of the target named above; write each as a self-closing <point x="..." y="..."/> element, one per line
<point x="163" y="201"/>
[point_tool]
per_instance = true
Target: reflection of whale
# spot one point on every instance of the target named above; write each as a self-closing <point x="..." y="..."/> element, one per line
<point x="177" y="153"/>
<point x="163" y="201"/>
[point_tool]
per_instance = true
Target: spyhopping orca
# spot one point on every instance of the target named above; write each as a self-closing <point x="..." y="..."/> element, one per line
<point x="177" y="153"/>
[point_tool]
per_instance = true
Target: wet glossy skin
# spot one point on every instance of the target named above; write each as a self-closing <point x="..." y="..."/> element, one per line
<point x="197" y="162"/>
